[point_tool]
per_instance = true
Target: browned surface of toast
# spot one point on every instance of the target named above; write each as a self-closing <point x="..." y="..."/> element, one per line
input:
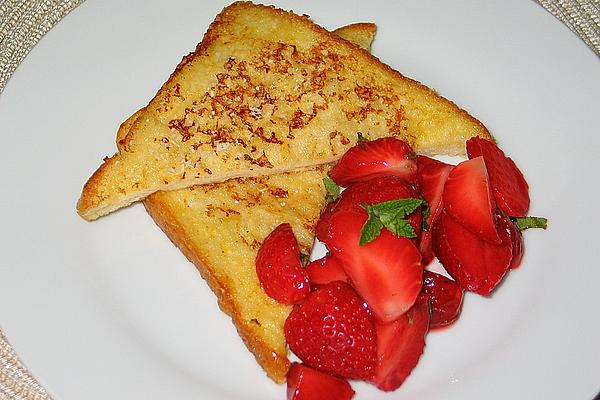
<point x="219" y="227"/>
<point x="360" y="33"/>
<point x="265" y="92"/>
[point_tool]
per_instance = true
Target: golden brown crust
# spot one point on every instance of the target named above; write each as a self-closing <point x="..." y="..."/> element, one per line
<point x="225" y="200"/>
<point x="220" y="228"/>
<point x="359" y="33"/>
<point x="275" y="364"/>
<point x="175" y="143"/>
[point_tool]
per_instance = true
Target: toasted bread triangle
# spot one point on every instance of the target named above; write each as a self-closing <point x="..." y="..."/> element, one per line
<point x="220" y="226"/>
<point x="266" y="92"/>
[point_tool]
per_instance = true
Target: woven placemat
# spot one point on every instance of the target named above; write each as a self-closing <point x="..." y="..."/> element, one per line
<point x="24" y="22"/>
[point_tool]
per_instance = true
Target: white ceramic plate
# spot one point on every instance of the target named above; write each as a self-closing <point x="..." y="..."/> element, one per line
<point x="110" y="309"/>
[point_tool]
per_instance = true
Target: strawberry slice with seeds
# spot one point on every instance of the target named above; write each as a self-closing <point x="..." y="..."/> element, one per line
<point x="381" y="157"/>
<point x="510" y="188"/>
<point x="333" y="331"/>
<point x="468" y="199"/>
<point x="279" y="268"/>
<point x="371" y="192"/>
<point x="431" y="180"/>
<point x="445" y="297"/>
<point x="475" y="264"/>
<point x="305" y="383"/>
<point x="326" y="269"/>
<point x="400" y="344"/>
<point x="323" y="222"/>
<point x="386" y="272"/>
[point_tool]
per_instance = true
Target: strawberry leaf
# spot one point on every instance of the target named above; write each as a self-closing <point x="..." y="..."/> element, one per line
<point x="332" y="189"/>
<point x="531" y="222"/>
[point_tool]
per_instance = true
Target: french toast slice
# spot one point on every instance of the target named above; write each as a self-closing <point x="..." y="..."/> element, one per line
<point x="219" y="228"/>
<point x="265" y="92"/>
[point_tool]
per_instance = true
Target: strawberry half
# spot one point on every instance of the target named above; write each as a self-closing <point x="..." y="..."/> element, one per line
<point x="381" y="157"/>
<point x="400" y="344"/>
<point x="324" y="270"/>
<point x="333" y="332"/>
<point x="431" y="180"/>
<point x="279" y="269"/>
<point x="386" y="272"/>
<point x="475" y="264"/>
<point x="468" y="198"/>
<point x="371" y="192"/>
<point x="445" y="297"/>
<point x="305" y="383"/>
<point x="508" y="184"/>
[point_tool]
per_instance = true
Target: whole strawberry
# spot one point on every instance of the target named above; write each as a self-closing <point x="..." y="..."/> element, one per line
<point x="279" y="269"/>
<point x="334" y="332"/>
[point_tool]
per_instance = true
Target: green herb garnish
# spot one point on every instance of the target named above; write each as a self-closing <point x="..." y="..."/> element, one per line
<point x="531" y="222"/>
<point x="392" y="215"/>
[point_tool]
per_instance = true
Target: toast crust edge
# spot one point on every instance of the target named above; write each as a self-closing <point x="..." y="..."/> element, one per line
<point x="274" y="364"/>
<point x="92" y="205"/>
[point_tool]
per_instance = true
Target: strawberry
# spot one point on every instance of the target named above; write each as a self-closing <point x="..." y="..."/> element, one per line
<point x="305" y="383"/>
<point x="324" y="270"/>
<point x="323" y="222"/>
<point x="279" y="269"/>
<point x="386" y="272"/>
<point x="431" y="180"/>
<point x="510" y="188"/>
<point x="400" y="344"/>
<point x="371" y="192"/>
<point x="504" y="222"/>
<point x="333" y="331"/>
<point x="445" y="297"/>
<point x="381" y="157"/>
<point x="468" y="199"/>
<point x="475" y="264"/>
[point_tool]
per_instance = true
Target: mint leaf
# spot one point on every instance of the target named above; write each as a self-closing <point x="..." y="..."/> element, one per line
<point x="531" y="222"/>
<point x="370" y="229"/>
<point x="393" y="209"/>
<point x="401" y="227"/>
<point x="391" y="214"/>
<point x="332" y="189"/>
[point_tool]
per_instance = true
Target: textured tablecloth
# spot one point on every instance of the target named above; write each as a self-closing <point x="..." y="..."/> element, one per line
<point x="24" y="22"/>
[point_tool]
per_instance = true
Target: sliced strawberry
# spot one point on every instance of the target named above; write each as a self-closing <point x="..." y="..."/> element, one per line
<point x="323" y="222"/>
<point x="508" y="184"/>
<point x="386" y="272"/>
<point x="475" y="264"/>
<point x="516" y="237"/>
<point x="279" y="269"/>
<point x="400" y="344"/>
<point x="333" y="331"/>
<point x="305" y="383"/>
<point x="324" y="270"/>
<point x="445" y="297"/>
<point x="468" y="198"/>
<point x="381" y="157"/>
<point x="431" y="180"/>
<point x="371" y="192"/>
